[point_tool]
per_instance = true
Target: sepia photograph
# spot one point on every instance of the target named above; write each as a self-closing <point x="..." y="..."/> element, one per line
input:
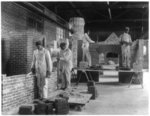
<point x="75" y="57"/>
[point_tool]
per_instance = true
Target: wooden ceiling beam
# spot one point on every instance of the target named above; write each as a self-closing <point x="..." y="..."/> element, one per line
<point x="119" y="20"/>
<point x="109" y="11"/>
<point x="77" y="11"/>
<point x="117" y="6"/>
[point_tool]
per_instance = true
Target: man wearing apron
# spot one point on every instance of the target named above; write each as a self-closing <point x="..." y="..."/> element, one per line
<point x="41" y="66"/>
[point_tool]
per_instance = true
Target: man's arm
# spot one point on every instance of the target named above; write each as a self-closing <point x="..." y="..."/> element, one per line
<point x="48" y="61"/>
<point x="120" y="38"/>
<point x="130" y="41"/>
<point x="66" y="56"/>
<point x="33" y="63"/>
<point x="89" y="39"/>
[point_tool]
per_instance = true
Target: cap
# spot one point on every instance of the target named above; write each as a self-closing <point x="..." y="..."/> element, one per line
<point x="127" y="28"/>
<point x="38" y="43"/>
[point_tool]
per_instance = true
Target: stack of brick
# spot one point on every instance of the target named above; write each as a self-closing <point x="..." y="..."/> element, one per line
<point x="83" y="64"/>
<point x="16" y="90"/>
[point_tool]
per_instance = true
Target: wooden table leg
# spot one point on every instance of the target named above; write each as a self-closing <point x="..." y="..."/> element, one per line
<point x="132" y="76"/>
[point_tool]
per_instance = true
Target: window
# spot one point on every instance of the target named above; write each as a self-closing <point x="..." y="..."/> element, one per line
<point x="36" y="24"/>
<point x="59" y="33"/>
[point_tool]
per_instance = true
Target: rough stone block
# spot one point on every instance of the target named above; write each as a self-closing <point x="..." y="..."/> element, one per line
<point x="40" y="108"/>
<point x="26" y="109"/>
<point x="49" y="109"/>
<point x="62" y="106"/>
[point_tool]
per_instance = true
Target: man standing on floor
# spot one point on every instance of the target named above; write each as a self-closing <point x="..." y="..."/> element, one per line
<point x="126" y="42"/>
<point x="65" y="65"/>
<point x="41" y="66"/>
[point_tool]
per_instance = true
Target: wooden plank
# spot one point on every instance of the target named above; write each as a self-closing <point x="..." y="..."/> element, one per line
<point x="54" y="94"/>
<point x="74" y="97"/>
<point x="82" y="99"/>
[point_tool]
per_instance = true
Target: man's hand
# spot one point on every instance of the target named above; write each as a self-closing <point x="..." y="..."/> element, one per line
<point x="58" y="59"/>
<point x="48" y="73"/>
<point x="33" y="70"/>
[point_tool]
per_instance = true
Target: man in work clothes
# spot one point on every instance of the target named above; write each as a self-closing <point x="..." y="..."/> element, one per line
<point x="41" y="66"/>
<point x="126" y="42"/>
<point x="65" y="65"/>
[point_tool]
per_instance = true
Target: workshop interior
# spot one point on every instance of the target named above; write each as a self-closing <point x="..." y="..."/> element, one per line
<point x="74" y="57"/>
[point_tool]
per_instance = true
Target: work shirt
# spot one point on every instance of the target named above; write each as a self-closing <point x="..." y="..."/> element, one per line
<point x="66" y="59"/>
<point x="42" y="61"/>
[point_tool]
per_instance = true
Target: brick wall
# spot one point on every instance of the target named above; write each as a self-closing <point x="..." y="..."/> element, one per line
<point x="50" y="33"/>
<point x="16" y="90"/>
<point x="20" y="29"/>
<point x="17" y="36"/>
<point x="12" y="20"/>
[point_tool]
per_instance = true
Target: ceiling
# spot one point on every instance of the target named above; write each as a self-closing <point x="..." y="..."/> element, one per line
<point x="103" y="15"/>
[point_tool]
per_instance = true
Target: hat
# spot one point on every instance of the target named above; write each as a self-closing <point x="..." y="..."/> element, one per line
<point x="38" y="43"/>
<point x="62" y="43"/>
<point x="127" y="28"/>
